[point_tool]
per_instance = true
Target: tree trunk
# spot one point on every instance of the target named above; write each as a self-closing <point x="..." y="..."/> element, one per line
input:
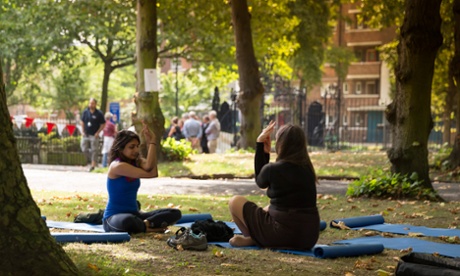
<point x="409" y="113"/>
<point x="251" y="89"/>
<point x="26" y="246"/>
<point x="147" y="103"/>
<point x="108" y="69"/>
<point x="448" y="108"/>
<point x="454" y="157"/>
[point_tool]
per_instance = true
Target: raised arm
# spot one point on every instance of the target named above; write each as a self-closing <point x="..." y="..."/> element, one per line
<point x="150" y="163"/>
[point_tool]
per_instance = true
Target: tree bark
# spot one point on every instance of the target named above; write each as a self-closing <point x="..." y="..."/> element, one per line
<point x="105" y="85"/>
<point x="147" y="103"/>
<point x="409" y="113"/>
<point x="454" y="157"/>
<point x="251" y="88"/>
<point x="26" y="246"/>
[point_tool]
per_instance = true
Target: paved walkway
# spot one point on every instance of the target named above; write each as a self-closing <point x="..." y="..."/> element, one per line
<point x="77" y="179"/>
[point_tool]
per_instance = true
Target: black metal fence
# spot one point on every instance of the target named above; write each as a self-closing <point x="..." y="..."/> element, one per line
<point x="362" y="125"/>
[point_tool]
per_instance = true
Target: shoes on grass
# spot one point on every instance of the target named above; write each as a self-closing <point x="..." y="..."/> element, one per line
<point x="91" y="169"/>
<point x="185" y="239"/>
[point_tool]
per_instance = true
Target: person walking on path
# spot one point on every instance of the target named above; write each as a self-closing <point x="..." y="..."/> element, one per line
<point x="192" y="130"/>
<point x="213" y="131"/>
<point x="291" y="187"/>
<point x="92" y="123"/>
<point x="204" y="137"/>
<point x="122" y="212"/>
<point x="109" y="132"/>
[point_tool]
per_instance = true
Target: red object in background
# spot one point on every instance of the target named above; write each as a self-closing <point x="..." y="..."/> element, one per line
<point x="50" y="127"/>
<point x="71" y="129"/>
<point x="29" y="121"/>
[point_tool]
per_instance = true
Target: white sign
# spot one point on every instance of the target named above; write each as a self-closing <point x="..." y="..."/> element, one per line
<point x="151" y="81"/>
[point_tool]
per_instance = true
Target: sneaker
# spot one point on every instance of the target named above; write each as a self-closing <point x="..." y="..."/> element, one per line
<point x="187" y="240"/>
<point x="91" y="169"/>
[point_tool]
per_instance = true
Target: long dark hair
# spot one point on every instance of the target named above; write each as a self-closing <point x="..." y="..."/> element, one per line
<point x="291" y="146"/>
<point x="121" y="140"/>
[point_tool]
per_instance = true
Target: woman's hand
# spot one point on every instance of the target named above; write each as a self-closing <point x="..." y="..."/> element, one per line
<point x="148" y="134"/>
<point x="264" y="136"/>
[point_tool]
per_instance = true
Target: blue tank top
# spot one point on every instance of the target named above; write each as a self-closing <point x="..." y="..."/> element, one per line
<point x="122" y="196"/>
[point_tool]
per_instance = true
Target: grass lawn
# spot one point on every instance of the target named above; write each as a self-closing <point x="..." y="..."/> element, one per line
<point x="349" y="164"/>
<point x="148" y="254"/>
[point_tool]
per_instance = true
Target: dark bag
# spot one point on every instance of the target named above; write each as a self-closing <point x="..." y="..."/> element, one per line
<point x="92" y="218"/>
<point x="216" y="231"/>
<point x="422" y="264"/>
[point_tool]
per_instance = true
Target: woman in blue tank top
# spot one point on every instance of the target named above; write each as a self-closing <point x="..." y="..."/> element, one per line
<point x="122" y="212"/>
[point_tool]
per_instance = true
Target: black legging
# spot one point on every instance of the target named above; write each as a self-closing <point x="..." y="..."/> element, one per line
<point x="134" y="223"/>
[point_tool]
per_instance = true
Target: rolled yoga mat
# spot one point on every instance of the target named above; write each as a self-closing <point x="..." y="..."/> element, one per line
<point x="113" y="237"/>
<point x="352" y="250"/>
<point x="417" y="245"/>
<point x="355" y="222"/>
<point x="321" y="251"/>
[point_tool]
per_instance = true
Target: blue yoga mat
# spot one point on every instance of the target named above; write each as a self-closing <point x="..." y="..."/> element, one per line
<point x="74" y="226"/>
<point x="376" y="222"/>
<point x="191" y="218"/>
<point x="113" y="237"/>
<point x="417" y="245"/>
<point x="322" y="251"/>
<point x="355" y="222"/>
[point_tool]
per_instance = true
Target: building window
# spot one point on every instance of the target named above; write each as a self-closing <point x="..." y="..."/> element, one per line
<point x="358" y="89"/>
<point x="371" y="55"/>
<point x="370" y="88"/>
<point x="359" y="55"/>
<point x="358" y="120"/>
<point x="345" y="88"/>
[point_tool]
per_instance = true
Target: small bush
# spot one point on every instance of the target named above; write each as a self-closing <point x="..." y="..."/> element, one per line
<point x="380" y="184"/>
<point x="176" y="150"/>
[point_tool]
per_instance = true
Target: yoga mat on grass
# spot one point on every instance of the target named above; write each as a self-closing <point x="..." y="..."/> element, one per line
<point x="113" y="237"/>
<point x="322" y="251"/>
<point x="376" y="222"/>
<point x="359" y="222"/>
<point x="75" y="226"/>
<point x="417" y="245"/>
<point x="235" y="228"/>
<point x="191" y="218"/>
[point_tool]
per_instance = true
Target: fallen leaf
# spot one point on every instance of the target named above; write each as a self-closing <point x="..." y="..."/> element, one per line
<point x="415" y="234"/>
<point x="191" y="209"/>
<point x="407" y="250"/>
<point x="93" y="267"/>
<point x="340" y="225"/>
<point x="382" y="272"/>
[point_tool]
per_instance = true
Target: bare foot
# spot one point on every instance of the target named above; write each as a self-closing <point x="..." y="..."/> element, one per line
<point x="239" y="240"/>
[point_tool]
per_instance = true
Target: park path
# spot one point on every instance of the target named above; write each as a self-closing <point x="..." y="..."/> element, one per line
<point x="77" y="179"/>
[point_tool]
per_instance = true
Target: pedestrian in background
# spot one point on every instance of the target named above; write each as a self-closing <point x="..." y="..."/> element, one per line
<point x="109" y="132"/>
<point x="92" y="123"/>
<point x="192" y="130"/>
<point x="204" y="137"/>
<point x="213" y="131"/>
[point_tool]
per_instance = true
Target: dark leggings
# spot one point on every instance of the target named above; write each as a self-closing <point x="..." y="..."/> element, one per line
<point x="134" y="223"/>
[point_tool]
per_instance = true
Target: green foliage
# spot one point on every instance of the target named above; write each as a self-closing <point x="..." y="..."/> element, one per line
<point x="381" y="184"/>
<point x="52" y="142"/>
<point x="176" y="150"/>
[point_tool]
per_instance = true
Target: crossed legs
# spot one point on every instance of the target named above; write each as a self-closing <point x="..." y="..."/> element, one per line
<point x="236" y="205"/>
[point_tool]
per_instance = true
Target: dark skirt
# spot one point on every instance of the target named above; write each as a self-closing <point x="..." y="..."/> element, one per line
<point x="282" y="229"/>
